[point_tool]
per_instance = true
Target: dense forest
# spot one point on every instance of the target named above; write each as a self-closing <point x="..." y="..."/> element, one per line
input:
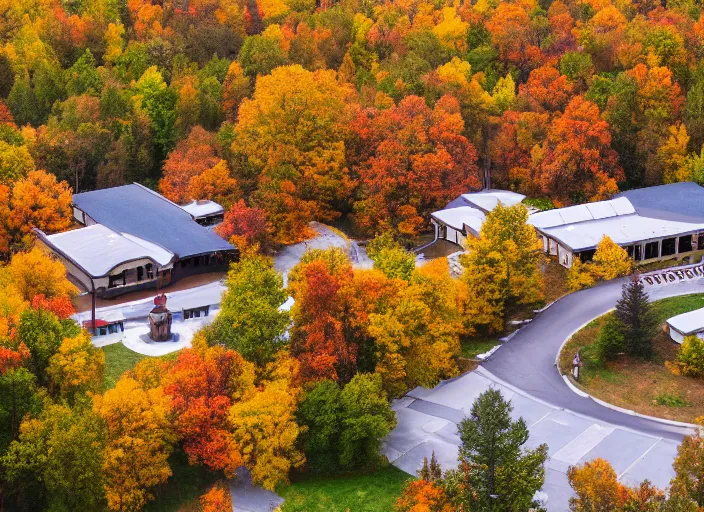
<point x="363" y="114"/>
<point x="378" y="112"/>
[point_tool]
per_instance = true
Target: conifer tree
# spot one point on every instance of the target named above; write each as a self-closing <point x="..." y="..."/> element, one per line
<point x="500" y="474"/>
<point x="639" y="322"/>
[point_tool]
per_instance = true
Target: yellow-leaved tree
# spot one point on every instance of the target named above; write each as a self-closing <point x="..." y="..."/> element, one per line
<point x="501" y="267"/>
<point x="77" y="367"/>
<point x="139" y="442"/>
<point x="611" y="260"/>
<point x="35" y="272"/>
<point x="264" y="424"/>
<point x="417" y="339"/>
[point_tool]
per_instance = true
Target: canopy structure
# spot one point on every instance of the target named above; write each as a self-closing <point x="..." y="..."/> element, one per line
<point x="686" y="324"/>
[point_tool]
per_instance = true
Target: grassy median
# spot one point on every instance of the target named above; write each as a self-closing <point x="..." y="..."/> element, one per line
<point x="647" y="387"/>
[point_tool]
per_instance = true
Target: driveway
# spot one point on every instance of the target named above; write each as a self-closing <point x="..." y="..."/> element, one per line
<point x="326" y="237"/>
<point x="528" y="359"/>
<point x="427" y="423"/>
<point x="576" y="429"/>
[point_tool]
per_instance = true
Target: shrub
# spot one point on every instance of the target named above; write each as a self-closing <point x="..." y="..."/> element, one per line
<point x="579" y="275"/>
<point x="690" y="358"/>
<point x="611" y="341"/>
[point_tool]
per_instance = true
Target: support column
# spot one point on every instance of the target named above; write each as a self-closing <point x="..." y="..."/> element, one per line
<point x="92" y="307"/>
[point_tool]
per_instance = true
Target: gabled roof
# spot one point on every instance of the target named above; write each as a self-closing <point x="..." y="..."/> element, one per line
<point x="97" y="249"/>
<point x="140" y="212"/>
<point x="487" y="199"/>
<point x="458" y="218"/>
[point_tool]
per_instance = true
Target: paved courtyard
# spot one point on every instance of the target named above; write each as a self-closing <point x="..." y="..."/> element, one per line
<point x="427" y="422"/>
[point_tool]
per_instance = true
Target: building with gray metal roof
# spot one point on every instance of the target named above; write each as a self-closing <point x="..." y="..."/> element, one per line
<point x="134" y="238"/>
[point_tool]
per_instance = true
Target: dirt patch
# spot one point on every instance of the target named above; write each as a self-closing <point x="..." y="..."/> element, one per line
<point x="554" y="280"/>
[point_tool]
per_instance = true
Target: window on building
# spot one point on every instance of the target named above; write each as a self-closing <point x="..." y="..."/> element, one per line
<point x="116" y="280"/>
<point x="150" y="270"/>
<point x="669" y="247"/>
<point x="113" y="328"/>
<point x="637" y="252"/>
<point x="587" y="255"/>
<point x="196" y="312"/>
<point x="685" y="244"/>
<point x="651" y="250"/>
<point x="186" y="263"/>
<point x="700" y="241"/>
<point x="140" y="273"/>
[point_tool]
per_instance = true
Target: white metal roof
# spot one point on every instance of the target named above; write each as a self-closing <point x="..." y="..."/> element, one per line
<point x="688" y="323"/>
<point x="99" y="249"/>
<point x="582" y="213"/>
<point x="457" y="218"/>
<point x="487" y="200"/>
<point x="200" y="209"/>
<point x="623" y="229"/>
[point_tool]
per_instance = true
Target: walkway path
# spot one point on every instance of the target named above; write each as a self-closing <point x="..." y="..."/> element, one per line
<point x="576" y="429"/>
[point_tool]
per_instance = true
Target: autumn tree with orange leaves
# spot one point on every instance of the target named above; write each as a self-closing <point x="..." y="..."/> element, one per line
<point x="411" y="160"/>
<point x="191" y="157"/>
<point x="202" y="386"/>
<point x="292" y="133"/>
<point x="319" y="285"/>
<point x="140" y="439"/>
<point x="576" y="162"/>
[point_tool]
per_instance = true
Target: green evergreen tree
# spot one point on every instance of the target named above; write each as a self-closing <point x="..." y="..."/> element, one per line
<point x="499" y="474"/>
<point x="639" y="322"/>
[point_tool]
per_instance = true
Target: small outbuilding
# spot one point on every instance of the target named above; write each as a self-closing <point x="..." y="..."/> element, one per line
<point x="205" y="213"/>
<point x="687" y="324"/>
<point x="465" y="215"/>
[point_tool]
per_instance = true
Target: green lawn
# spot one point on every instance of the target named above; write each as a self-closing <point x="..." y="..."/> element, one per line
<point x="373" y="492"/>
<point x="471" y="347"/>
<point x="118" y="359"/>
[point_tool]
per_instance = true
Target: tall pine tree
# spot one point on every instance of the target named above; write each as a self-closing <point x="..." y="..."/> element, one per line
<point x="636" y="314"/>
<point x="501" y="474"/>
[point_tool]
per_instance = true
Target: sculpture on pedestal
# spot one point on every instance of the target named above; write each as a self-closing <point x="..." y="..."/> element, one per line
<point x="160" y="320"/>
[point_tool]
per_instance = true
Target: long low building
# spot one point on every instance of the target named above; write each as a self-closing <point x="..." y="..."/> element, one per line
<point x="652" y="224"/>
<point x="134" y="238"/>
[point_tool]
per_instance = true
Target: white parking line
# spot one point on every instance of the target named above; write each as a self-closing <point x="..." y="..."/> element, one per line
<point x="633" y="464"/>
<point x="573" y="451"/>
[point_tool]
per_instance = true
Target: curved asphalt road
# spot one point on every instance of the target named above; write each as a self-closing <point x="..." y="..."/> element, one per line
<point x="527" y="360"/>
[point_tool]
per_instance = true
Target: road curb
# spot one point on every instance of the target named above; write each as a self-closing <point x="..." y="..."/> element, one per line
<point x="573" y="387"/>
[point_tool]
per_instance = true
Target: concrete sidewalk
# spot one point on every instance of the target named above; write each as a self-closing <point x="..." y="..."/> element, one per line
<point x="427" y="423"/>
